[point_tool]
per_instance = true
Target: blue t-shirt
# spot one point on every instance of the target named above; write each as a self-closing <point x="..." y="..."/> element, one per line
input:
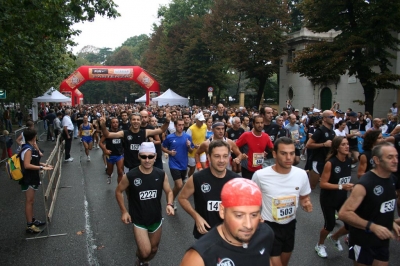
<point x="178" y="143"/>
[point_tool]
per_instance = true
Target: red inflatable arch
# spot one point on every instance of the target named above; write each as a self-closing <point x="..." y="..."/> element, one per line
<point x="69" y="86"/>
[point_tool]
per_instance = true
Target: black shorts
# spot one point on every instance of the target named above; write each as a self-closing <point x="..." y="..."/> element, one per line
<point x="297" y="152"/>
<point x="367" y="255"/>
<point x="318" y="167"/>
<point x="353" y="148"/>
<point x="329" y="215"/>
<point x="178" y="174"/>
<point x="284" y="237"/>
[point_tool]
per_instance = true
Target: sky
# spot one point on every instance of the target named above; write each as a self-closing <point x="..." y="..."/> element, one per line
<point x="137" y="17"/>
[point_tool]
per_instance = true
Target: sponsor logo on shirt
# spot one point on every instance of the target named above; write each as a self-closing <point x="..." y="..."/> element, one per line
<point x="337" y="169"/>
<point x="262" y="251"/>
<point x="225" y="262"/>
<point x="205" y="188"/>
<point x="378" y="190"/>
<point x="137" y="182"/>
<point x="129" y="137"/>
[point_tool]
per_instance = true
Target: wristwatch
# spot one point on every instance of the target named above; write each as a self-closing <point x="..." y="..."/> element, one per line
<point x="340" y="187"/>
<point x="41" y="167"/>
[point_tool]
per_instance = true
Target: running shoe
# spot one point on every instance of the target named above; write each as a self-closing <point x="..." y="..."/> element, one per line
<point x="70" y="159"/>
<point x="175" y="205"/>
<point x="302" y="157"/>
<point x="88" y="158"/>
<point x="140" y="263"/>
<point x="32" y="229"/>
<point x="38" y="222"/>
<point x="346" y="239"/>
<point x="353" y="166"/>
<point x="337" y="244"/>
<point x="109" y="180"/>
<point x="336" y="216"/>
<point x="321" y="251"/>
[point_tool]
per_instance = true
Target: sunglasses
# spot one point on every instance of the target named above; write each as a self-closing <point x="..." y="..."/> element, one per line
<point x="144" y="157"/>
<point x="331" y="116"/>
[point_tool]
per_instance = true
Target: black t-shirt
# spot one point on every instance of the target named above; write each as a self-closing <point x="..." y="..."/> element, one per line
<point x="378" y="206"/>
<point x="124" y="126"/>
<point x="272" y="130"/>
<point x="79" y="118"/>
<point x="340" y="175"/>
<point x="132" y="143"/>
<point x="397" y="146"/>
<point x="158" y="146"/>
<point x="321" y="135"/>
<point x="218" y="118"/>
<point x="214" y="250"/>
<point x="145" y="191"/>
<point x="115" y="146"/>
<point x="234" y="134"/>
<point x="353" y="128"/>
<point x="207" y="196"/>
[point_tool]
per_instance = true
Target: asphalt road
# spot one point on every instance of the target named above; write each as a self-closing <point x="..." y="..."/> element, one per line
<point x="87" y="212"/>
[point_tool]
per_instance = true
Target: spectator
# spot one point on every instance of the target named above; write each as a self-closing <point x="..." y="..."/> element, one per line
<point x="7" y="119"/>
<point x="393" y="109"/>
<point x="19" y="116"/>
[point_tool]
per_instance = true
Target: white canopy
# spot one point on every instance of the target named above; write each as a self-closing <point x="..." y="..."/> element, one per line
<point x="141" y="99"/>
<point x="171" y="98"/>
<point x="52" y="96"/>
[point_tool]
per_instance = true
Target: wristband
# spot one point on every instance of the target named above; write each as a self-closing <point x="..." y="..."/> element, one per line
<point x="198" y="165"/>
<point x="169" y="204"/>
<point x="367" y="228"/>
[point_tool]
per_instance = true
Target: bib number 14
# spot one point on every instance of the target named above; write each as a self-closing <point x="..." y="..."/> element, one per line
<point x="213" y="205"/>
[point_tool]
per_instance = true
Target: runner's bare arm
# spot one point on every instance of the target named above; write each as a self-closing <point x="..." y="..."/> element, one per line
<point x="163" y="128"/>
<point x="169" y="196"/>
<point x="122" y="186"/>
<point x="192" y="258"/>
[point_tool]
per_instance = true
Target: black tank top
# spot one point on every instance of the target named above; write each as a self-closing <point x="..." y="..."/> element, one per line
<point x="377" y="206"/>
<point x="207" y="196"/>
<point x="31" y="177"/>
<point x="340" y="175"/>
<point x="321" y="135"/>
<point x="115" y="145"/>
<point x="216" y="251"/>
<point x="145" y="191"/>
<point x="132" y="143"/>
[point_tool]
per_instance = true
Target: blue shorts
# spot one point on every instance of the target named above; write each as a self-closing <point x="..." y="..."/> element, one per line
<point x="114" y="159"/>
<point x="87" y="139"/>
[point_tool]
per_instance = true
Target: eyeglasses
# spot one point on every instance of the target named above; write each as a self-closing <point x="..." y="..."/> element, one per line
<point x="144" y="157"/>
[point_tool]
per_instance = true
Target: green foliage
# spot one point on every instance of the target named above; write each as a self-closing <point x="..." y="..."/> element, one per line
<point x="365" y="46"/>
<point x="34" y="36"/>
<point x="249" y="35"/>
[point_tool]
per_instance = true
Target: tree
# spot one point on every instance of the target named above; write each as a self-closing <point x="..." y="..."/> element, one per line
<point x="35" y="35"/>
<point x="366" y="43"/>
<point x="250" y="35"/>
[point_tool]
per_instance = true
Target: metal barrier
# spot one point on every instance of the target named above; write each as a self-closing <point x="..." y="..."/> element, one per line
<point x="41" y="131"/>
<point x="51" y="183"/>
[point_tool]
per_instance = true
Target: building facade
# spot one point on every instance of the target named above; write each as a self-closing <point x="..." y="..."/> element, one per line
<point x="303" y="93"/>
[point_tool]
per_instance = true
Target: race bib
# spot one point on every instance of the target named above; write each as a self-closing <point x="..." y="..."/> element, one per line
<point x="388" y="206"/>
<point x="258" y="159"/>
<point x="116" y="141"/>
<point x="283" y="208"/>
<point x="147" y="194"/>
<point x="213" y="205"/>
<point x="344" y="180"/>
<point x="295" y="135"/>
<point x="86" y="133"/>
<point x="135" y="147"/>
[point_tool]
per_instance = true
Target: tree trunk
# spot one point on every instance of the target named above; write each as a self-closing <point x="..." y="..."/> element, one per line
<point x="369" y="94"/>
<point x="261" y="86"/>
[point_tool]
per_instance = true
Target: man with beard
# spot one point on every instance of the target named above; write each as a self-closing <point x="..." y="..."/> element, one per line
<point x="132" y="138"/>
<point x="241" y="239"/>
<point x="218" y="134"/>
<point x="206" y="186"/>
<point x="124" y="122"/>
<point x="253" y="144"/>
<point x="114" y="152"/>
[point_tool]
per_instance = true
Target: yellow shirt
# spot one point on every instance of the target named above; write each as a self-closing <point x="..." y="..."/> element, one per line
<point x="198" y="136"/>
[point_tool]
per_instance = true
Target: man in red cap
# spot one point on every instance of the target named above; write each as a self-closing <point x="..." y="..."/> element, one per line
<point x="241" y="239"/>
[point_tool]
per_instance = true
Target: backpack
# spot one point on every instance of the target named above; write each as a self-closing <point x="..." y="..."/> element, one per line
<point x="14" y="168"/>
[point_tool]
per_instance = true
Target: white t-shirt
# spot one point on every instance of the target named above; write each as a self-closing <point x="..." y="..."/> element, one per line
<point x="338" y="133"/>
<point x="281" y="192"/>
<point x="66" y="122"/>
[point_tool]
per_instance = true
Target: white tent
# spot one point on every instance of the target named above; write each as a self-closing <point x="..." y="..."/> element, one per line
<point x="50" y="96"/>
<point x="141" y="99"/>
<point x="171" y="98"/>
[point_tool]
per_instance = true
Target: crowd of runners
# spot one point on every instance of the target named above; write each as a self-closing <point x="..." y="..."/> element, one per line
<point x="239" y="166"/>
